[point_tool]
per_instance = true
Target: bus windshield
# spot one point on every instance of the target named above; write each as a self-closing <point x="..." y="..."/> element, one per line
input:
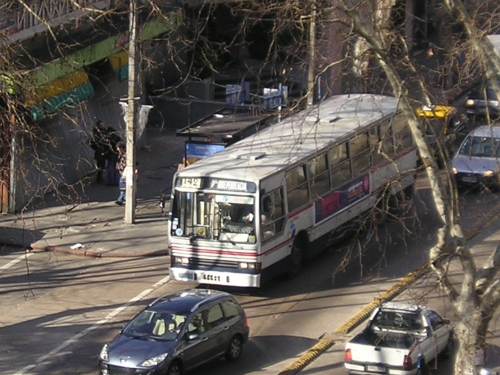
<point x="216" y="217"/>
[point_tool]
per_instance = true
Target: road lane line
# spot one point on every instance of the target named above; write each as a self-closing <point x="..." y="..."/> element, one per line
<point x="14" y="261"/>
<point x="78" y="336"/>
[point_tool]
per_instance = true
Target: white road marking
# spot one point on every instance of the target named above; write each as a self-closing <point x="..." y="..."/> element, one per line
<point x="78" y="336"/>
<point x="14" y="261"/>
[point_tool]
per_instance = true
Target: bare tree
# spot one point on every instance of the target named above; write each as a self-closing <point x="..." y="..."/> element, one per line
<point x="280" y="37"/>
<point x="476" y="301"/>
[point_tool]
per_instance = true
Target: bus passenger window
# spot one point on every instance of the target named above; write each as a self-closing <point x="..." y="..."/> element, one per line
<point x="272" y="214"/>
<point x="341" y="173"/>
<point x="402" y="133"/>
<point x="387" y="141"/>
<point x="376" y="146"/>
<point x="319" y="176"/>
<point x="340" y="165"/>
<point x="360" y="153"/>
<point x="297" y="189"/>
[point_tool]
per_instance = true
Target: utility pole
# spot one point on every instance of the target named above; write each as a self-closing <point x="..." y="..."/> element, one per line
<point x="131" y="117"/>
<point x="312" y="54"/>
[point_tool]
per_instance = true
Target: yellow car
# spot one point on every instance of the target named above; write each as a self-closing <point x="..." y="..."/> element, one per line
<point x="442" y="121"/>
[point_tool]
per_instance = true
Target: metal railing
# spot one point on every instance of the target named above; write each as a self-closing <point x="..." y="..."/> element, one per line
<point x="22" y="21"/>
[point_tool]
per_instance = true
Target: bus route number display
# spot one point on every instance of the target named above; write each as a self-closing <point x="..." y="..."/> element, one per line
<point x="191" y="182"/>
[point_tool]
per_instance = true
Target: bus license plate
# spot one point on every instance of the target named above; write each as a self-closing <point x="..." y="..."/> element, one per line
<point x="209" y="277"/>
<point x="374" y="368"/>
<point x="186" y="275"/>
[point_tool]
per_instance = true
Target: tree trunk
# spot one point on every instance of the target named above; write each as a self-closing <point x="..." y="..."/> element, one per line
<point x="466" y="335"/>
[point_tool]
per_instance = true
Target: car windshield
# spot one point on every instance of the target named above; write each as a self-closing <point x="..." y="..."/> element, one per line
<point x="155" y="325"/>
<point x="480" y="146"/>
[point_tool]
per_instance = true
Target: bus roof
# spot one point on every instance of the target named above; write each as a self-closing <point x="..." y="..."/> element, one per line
<point x="295" y="138"/>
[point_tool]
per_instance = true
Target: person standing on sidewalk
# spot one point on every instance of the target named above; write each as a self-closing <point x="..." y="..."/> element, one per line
<point x="121" y="165"/>
<point x="99" y="143"/>
<point x="112" y="175"/>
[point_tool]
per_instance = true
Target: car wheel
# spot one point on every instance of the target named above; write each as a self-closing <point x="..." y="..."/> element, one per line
<point x="295" y="258"/>
<point x="234" y="349"/>
<point x="175" y="368"/>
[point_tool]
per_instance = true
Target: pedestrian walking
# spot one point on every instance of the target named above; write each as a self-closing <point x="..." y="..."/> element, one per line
<point x="121" y="165"/>
<point x="99" y="143"/>
<point x="112" y="174"/>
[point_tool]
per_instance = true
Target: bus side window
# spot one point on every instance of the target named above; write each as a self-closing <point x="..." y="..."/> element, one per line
<point x="387" y="140"/>
<point x="272" y="210"/>
<point x="402" y="133"/>
<point x="375" y="145"/>
<point x="297" y="190"/>
<point x="340" y="165"/>
<point x="360" y="153"/>
<point x="319" y="176"/>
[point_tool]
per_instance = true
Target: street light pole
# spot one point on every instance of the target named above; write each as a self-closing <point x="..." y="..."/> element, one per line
<point x="131" y="117"/>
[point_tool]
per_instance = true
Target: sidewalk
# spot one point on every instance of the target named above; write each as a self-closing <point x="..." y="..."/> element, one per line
<point x="92" y="224"/>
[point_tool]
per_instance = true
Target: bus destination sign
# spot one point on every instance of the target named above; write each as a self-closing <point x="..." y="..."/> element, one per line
<point x="231" y="185"/>
<point x="216" y="184"/>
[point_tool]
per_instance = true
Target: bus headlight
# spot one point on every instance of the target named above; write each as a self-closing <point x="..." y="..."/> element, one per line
<point x="488" y="173"/>
<point x="454" y="170"/>
<point x="249" y="266"/>
<point x="469" y="102"/>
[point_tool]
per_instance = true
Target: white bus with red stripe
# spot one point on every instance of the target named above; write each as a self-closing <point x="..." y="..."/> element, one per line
<point x="262" y="206"/>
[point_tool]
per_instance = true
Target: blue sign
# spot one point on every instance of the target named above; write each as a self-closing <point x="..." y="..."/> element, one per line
<point x="196" y="151"/>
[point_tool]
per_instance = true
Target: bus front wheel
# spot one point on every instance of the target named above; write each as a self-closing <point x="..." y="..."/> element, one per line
<point x="295" y="258"/>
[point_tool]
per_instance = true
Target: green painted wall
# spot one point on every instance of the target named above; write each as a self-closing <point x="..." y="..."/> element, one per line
<point x="60" y="67"/>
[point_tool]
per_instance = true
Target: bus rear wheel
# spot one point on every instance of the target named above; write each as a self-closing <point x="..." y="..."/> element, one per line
<point x="295" y="258"/>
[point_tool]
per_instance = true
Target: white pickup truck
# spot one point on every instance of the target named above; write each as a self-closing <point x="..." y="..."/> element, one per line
<point x="399" y="339"/>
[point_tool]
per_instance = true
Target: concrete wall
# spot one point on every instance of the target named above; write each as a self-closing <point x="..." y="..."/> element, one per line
<point x="57" y="153"/>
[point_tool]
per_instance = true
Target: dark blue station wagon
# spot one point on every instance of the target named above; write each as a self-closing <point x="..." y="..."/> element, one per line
<point x="177" y="333"/>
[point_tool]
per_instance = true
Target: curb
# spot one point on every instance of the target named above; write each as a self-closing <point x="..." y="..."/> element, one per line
<point x="94" y="254"/>
<point x="325" y="342"/>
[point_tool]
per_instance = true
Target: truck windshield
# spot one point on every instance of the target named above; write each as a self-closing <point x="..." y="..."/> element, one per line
<point x="216" y="217"/>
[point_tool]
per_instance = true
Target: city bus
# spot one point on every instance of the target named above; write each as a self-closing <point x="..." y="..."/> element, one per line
<point x="262" y="206"/>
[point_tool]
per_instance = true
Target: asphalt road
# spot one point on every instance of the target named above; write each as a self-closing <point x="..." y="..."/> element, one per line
<point x="58" y="310"/>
